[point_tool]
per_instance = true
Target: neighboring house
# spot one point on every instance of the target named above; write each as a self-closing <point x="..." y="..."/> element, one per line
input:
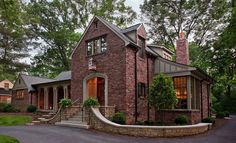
<point x="116" y="66"/>
<point x="42" y="92"/>
<point x="5" y="91"/>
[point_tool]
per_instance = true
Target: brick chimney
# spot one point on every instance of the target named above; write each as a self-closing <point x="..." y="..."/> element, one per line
<point x="182" y="54"/>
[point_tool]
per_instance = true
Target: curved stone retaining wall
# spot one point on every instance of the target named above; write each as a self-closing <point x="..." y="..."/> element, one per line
<point x="99" y="122"/>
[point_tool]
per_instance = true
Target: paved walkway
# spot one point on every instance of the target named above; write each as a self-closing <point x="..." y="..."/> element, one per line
<point x="55" y="134"/>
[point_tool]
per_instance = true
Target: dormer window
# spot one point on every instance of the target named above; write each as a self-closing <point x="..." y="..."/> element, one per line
<point x="96" y="46"/>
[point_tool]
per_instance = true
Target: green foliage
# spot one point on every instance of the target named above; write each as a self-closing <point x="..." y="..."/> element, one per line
<point x="149" y="122"/>
<point x="56" y="24"/>
<point x="13" y="120"/>
<point x="31" y="108"/>
<point x="198" y="19"/>
<point x="119" y="118"/>
<point x="8" y="108"/>
<point x="8" y="139"/>
<point x="220" y="115"/>
<point x="208" y="120"/>
<point x="139" y="123"/>
<point x="181" y="120"/>
<point x="13" y="40"/>
<point x="65" y="102"/>
<point x="90" y="102"/>
<point x="2" y="106"/>
<point x="226" y="113"/>
<point x="162" y="93"/>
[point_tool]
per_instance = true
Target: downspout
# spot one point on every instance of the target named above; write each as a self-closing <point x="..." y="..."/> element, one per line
<point x="135" y="81"/>
<point x="148" y="115"/>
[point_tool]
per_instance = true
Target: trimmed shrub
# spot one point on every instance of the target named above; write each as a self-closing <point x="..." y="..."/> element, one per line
<point x="90" y="102"/>
<point x="119" y="118"/>
<point x="220" y="115"/>
<point x="2" y="106"/>
<point x="208" y="120"/>
<point x="181" y="120"/>
<point x="148" y="122"/>
<point x="139" y="123"/>
<point x="158" y="122"/>
<point x="65" y="102"/>
<point x="226" y="113"/>
<point x="31" y="108"/>
<point x="8" y="108"/>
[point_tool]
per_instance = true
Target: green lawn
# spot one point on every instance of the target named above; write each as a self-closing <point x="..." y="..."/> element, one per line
<point x="12" y="120"/>
<point x="7" y="139"/>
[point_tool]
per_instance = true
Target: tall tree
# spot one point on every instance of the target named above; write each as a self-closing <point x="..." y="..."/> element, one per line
<point x="13" y="39"/>
<point x="57" y="25"/>
<point x="201" y="20"/>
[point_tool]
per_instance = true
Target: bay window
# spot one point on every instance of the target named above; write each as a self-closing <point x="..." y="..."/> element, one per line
<point x="180" y="85"/>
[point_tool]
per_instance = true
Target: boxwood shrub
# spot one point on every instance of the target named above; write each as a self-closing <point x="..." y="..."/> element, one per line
<point x="31" y="108"/>
<point x="208" y="120"/>
<point x="220" y="115"/>
<point x="119" y="118"/>
<point x="181" y="120"/>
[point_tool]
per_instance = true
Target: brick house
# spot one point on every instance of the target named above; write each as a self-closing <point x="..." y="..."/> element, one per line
<point x="116" y="66"/>
<point x="5" y="91"/>
<point x="42" y="92"/>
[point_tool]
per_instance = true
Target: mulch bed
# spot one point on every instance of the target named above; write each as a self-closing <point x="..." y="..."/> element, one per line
<point x="219" y="123"/>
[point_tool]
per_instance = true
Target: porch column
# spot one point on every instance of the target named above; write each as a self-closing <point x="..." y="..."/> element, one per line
<point x="55" y="98"/>
<point x="65" y="89"/>
<point x="38" y="99"/>
<point x="46" y="98"/>
<point x="188" y="92"/>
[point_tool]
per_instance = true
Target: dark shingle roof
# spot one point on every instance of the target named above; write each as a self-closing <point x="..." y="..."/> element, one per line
<point x="65" y="75"/>
<point x="30" y="80"/>
<point x="5" y="92"/>
<point x="131" y="28"/>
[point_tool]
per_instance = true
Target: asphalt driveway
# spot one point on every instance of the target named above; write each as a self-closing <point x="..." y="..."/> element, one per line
<point x="55" y="134"/>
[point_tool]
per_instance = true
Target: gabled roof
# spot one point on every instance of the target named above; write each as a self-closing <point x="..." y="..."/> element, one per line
<point x="131" y="28"/>
<point x="161" y="47"/>
<point x="30" y="80"/>
<point x="119" y="32"/>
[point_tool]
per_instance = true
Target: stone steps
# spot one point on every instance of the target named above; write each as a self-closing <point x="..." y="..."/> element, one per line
<point x="76" y="124"/>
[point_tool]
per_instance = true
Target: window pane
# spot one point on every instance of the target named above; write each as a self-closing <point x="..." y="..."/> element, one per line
<point x="103" y="45"/>
<point x="90" y="48"/>
<point x="180" y="85"/>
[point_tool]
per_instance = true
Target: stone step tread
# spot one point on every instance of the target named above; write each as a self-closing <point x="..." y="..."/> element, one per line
<point x="35" y="121"/>
<point x="72" y="125"/>
<point x="80" y="120"/>
<point x="74" y="122"/>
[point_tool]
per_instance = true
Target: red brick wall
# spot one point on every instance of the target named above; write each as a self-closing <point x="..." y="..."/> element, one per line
<point x="112" y="63"/>
<point x="168" y="116"/>
<point x="204" y="100"/>
<point x="182" y="53"/>
<point x="21" y="103"/>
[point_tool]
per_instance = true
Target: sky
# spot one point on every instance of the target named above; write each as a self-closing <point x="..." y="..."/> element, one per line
<point x="135" y="4"/>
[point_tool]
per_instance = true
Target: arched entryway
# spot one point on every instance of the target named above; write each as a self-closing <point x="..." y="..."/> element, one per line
<point x="96" y="86"/>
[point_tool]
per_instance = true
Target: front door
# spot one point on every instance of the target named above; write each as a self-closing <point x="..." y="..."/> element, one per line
<point x="96" y="89"/>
